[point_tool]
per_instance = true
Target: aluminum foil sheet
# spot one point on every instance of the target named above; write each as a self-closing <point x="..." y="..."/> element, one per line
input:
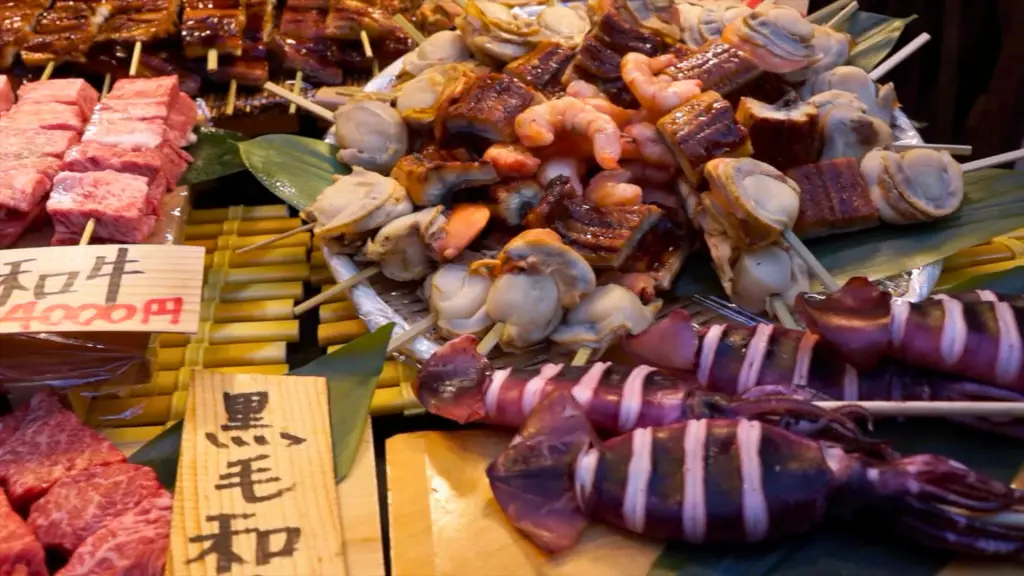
<point x="403" y="305"/>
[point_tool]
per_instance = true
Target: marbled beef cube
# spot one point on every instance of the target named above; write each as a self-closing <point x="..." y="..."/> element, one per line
<point x="120" y="204"/>
<point x="72" y="91"/>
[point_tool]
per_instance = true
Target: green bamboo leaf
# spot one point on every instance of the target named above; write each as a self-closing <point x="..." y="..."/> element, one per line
<point x="294" y="168"/>
<point x="874" y="37"/>
<point x="1009" y="281"/>
<point x="214" y="154"/>
<point x="993" y="205"/>
<point x="861" y="547"/>
<point x="351" y="373"/>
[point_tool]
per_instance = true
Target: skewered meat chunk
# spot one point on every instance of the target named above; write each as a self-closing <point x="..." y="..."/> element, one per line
<point x="20" y="552"/>
<point x="543" y="68"/>
<point x="728" y="71"/>
<point x="834" y="198"/>
<point x="488" y="108"/>
<point x="24" y="143"/>
<point x="71" y="91"/>
<point x="431" y="176"/>
<point x="213" y="25"/>
<point x="783" y="137"/>
<point x="512" y="201"/>
<point x="423" y="98"/>
<point x="64" y="32"/>
<point x="661" y="253"/>
<point x="915" y="186"/>
<point x="139" y="26"/>
<point x="605" y="236"/>
<point x="435" y="16"/>
<point x="347" y="18"/>
<point x="45" y="115"/>
<point x="121" y="205"/>
<point x="6" y="94"/>
<point x="16" y="22"/>
<point x="700" y="130"/>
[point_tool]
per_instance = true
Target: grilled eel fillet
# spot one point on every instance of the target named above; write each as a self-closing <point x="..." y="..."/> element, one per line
<point x="63" y="33"/>
<point x="728" y="71"/>
<point x="702" y="129"/>
<point x="834" y="198"/>
<point x="213" y="25"/>
<point x="785" y="137"/>
<point x="604" y="236"/>
<point x="489" y="107"/>
<point x="543" y="68"/>
<point x="432" y="175"/>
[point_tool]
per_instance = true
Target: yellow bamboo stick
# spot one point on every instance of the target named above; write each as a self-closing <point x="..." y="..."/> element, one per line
<point x="342" y="297"/>
<point x="237" y="333"/>
<point x="236" y="242"/>
<point x="260" y="274"/>
<point x="978" y="256"/>
<point x="241" y="228"/>
<point x="337" y="311"/>
<point x="320" y="276"/>
<point x="268" y="257"/>
<point x="216" y="356"/>
<point x="218" y="215"/>
<point x="340" y="332"/>
<point x="292" y="290"/>
<point x="950" y="279"/>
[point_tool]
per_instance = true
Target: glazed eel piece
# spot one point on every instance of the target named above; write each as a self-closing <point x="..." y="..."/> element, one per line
<point x="732" y="481"/>
<point x="769" y="360"/>
<point x="975" y="335"/>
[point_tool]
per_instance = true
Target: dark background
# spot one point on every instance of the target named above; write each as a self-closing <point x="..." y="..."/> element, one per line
<point x="967" y="84"/>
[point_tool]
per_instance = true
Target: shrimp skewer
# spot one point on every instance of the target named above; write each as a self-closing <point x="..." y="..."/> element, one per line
<point x="657" y="93"/>
<point x="642" y="142"/>
<point x="539" y="125"/>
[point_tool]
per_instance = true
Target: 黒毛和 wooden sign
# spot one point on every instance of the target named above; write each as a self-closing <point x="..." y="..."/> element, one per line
<point x="115" y="288"/>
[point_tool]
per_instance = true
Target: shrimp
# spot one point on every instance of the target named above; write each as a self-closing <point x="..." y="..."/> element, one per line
<point x="612" y="188"/>
<point x="561" y="166"/>
<point x="642" y="142"/>
<point x="582" y="89"/>
<point x="512" y="160"/>
<point x="592" y="96"/>
<point x="659" y="94"/>
<point x="539" y="125"/>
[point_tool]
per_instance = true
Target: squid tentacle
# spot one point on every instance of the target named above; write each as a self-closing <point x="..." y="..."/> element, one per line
<point x="944" y="528"/>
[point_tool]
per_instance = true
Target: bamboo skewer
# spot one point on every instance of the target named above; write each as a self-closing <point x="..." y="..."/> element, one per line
<point x="87" y="233"/>
<point x="229" y="106"/>
<point x="894" y="60"/>
<point x="935" y="409"/>
<point x="777" y="306"/>
<point x="993" y="161"/>
<point x="490" y="339"/>
<point x="409" y="29"/>
<point x="582" y="356"/>
<point x="842" y="16"/>
<point x="107" y="79"/>
<point x="805" y="254"/>
<point x="340" y="288"/>
<point x="212" y="60"/>
<point x="133" y="67"/>
<point x="276" y="238"/>
<point x="301" y="102"/>
<point x="954" y="149"/>
<point x="296" y="90"/>
<point x="48" y="71"/>
<point x="404" y="337"/>
<point x="368" y="50"/>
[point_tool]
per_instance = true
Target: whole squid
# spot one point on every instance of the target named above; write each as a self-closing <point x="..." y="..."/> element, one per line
<point x="460" y="384"/>
<point x="769" y="360"/>
<point x="975" y="335"/>
<point x="731" y="481"/>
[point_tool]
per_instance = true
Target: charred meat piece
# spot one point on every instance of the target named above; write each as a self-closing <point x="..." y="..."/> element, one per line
<point x="251" y="72"/>
<point x="317" y="59"/>
<point x="543" y="68"/>
<point x="605" y="236"/>
<point x="834" y="198"/>
<point x="662" y="252"/>
<point x="204" y="29"/>
<point x="62" y="33"/>
<point x="784" y="137"/>
<point x="16" y="22"/>
<point x="139" y="26"/>
<point x="702" y="129"/>
<point x="347" y="18"/>
<point x="728" y="71"/>
<point x="613" y="31"/>
<point x="512" y="201"/>
<point x="489" y="107"/>
<point x="432" y="175"/>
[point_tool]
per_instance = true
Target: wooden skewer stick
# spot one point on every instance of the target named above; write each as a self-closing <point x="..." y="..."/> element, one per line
<point x="232" y="94"/>
<point x="993" y="161"/>
<point x="801" y="250"/>
<point x="296" y="90"/>
<point x="368" y="50"/>
<point x="133" y="67"/>
<point x="777" y="306"/>
<point x="340" y="288"/>
<point x="401" y="339"/>
<point x="87" y="233"/>
<point x="276" y="238"/>
<point x="301" y="102"/>
<point x="107" y="79"/>
<point x="409" y="29"/>
<point x="582" y="356"/>
<point x="931" y="409"/>
<point x="842" y="16"/>
<point x="211" y="60"/>
<point x="490" y="339"/>
<point x="954" y="149"/>
<point x="48" y="71"/>
<point x="894" y="60"/>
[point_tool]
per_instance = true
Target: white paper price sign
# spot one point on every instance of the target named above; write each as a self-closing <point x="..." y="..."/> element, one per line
<point x="117" y="288"/>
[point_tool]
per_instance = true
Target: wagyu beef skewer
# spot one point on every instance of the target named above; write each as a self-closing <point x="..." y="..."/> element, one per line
<point x="768" y="360"/>
<point x="713" y="481"/>
<point x="976" y="335"/>
<point x="459" y="383"/>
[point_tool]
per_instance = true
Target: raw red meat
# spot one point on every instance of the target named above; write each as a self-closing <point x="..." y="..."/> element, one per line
<point x="128" y="134"/>
<point x="23" y="143"/>
<point x="93" y="157"/>
<point x="51" y="444"/>
<point x="22" y="189"/>
<point x="13" y="224"/>
<point x="64" y="91"/>
<point x="135" y="544"/>
<point x="20" y="552"/>
<point x="159" y="88"/>
<point x="45" y="115"/>
<point x="79" y="505"/>
<point x="149" y="109"/>
<point x="45" y="164"/>
<point x="10" y="424"/>
<point x="6" y="94"/>
<point x="119" y="203"/>
<point x="182" y="118"/>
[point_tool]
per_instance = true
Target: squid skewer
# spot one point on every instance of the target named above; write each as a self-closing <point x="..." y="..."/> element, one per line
<point x="557" y="475"/>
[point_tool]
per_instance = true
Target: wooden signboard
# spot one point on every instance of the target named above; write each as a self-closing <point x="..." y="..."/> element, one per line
<point x="255" y="491"/>
<point x="123" y="288"/>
